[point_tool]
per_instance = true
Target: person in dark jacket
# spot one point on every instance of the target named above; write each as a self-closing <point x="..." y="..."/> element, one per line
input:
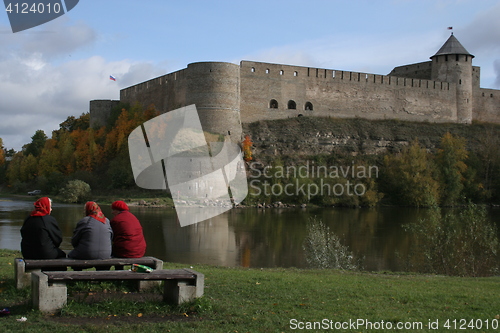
<point x="128" y="238"/>
<point x="40" y="233"/>
<point x="92" y="236"/>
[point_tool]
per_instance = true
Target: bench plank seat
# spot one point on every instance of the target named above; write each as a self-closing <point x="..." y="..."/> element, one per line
<point x="49" y="291"/>
<point x="24" y="267"/>
<point x="170" y="274"/>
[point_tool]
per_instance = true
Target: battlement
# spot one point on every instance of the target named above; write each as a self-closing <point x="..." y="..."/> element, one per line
<point x="288" y="72"/>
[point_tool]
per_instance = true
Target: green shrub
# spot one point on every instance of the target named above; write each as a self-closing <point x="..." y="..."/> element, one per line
<point x="463" y="243"/>
<point x="75" y="191"/>
<point x="323" y="249"/>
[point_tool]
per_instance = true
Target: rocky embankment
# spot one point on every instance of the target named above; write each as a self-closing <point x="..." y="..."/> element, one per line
<point x="308" y="136"/>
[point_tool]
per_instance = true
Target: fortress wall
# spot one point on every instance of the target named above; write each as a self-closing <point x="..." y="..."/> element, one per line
<point x="421" y="70"/>
<point x="486" y="105"/>
<point x="341" y="94"/>
<point x="166" y="92"/>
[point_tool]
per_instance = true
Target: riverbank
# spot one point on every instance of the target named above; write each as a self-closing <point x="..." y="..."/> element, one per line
<point x="264" y="300"/>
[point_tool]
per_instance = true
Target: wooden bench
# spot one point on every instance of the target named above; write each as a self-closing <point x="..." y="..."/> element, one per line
<point x="49" y="291"/>
<point x="24" y="267"/>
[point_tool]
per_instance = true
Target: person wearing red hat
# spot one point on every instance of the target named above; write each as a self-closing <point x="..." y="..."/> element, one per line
<point x="128" y="238"/>
<point x="40" y="233"/>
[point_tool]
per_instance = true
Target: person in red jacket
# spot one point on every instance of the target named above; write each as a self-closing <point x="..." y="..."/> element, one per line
<point x="128" y="239"/>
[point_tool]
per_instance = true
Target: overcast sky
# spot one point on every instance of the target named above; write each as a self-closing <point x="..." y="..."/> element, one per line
<point x="52" y="71"/>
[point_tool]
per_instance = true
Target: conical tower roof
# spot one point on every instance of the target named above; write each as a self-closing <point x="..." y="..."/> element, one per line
<point x="452" y="46"/>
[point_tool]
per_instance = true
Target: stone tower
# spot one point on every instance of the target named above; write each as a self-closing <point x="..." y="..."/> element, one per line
<point x="453" y="64"/>
<point x="214" y="87"/>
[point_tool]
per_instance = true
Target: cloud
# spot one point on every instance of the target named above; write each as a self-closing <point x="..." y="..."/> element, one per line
<point x="481" y="37"/>
<point x="50" y="41"/>
<point x="482" y="34"/>
<point x="60" y="39"/>
<point x="496" y="66"/>
<point x="377" y="54"/>
<point x="39" y="91"/>
<point x="38" y="95"/>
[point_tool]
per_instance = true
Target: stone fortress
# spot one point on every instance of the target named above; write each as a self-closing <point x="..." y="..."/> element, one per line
<point x="445" y="89"/>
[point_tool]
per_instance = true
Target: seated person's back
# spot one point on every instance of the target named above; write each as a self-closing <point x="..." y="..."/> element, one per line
<point x="92" y="236"/>
<point x="128" y="237"/>
<point x="40" y="233"/>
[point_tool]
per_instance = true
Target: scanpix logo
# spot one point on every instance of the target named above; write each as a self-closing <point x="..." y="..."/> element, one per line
<point x="28" y="14"/>
<point x="205" y="179"/>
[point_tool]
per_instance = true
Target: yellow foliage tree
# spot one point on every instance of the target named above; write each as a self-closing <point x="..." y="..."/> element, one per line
<point x="451" y="160"/>
<point x="50" y="159"/>
<point x="410" y="176"/>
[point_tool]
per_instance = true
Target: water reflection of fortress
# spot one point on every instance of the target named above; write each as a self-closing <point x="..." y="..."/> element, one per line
<point x="210" y="242"/>
<point x="444" y="89"/>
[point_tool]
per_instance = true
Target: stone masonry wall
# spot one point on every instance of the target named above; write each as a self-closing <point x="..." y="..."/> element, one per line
<point x="341" y="94"/>
<point x="486" y="106"/>
<point x="166" y="93"/>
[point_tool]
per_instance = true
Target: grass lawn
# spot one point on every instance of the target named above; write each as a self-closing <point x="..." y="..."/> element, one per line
<point x="267" y="300"/>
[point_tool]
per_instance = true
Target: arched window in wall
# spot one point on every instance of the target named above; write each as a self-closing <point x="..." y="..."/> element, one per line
<point x="267" y="70"/>
<point x="308" y="106"/>
<point x="252" y="69"/>
<point x="295" y="73"/>
<point x="292" y="105"/>
<point x="273" y="104"/>
<point x="281" y="72"/>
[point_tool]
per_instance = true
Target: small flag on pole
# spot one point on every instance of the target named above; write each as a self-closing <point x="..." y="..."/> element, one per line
<point x="450" y="28"/>
<point x="111" y="77"/>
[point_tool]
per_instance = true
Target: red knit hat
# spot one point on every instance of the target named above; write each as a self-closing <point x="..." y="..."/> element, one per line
<point x="119" y="205"/>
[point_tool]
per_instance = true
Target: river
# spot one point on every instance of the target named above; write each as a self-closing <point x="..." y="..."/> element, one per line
<point x="246" y="237"/>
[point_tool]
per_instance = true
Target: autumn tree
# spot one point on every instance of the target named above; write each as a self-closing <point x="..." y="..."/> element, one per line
<point x="451" y="161"/>
<point x="247" y="148"/>
<point x="488" y="161"/>
<point x="28" y="168"/>
<point x="71" y="123"/>
<point x="117" y="138"/>
<point x="50" y="159"/>
<point x="14" y="168"/>
<point x="409" y="177"/>
<point x="37" y="143"/>
<point x="87" y="153"/>
<point x="66" y="150"/>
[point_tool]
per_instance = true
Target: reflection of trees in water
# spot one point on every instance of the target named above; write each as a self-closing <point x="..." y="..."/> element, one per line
<point x="462" y="243"/>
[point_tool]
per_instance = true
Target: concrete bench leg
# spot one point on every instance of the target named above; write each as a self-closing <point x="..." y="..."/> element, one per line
<point x="47" y="298"/>
<point x="200" y="282"/>
<point x="178" y="291"/>
<point x="23" y="277"/>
